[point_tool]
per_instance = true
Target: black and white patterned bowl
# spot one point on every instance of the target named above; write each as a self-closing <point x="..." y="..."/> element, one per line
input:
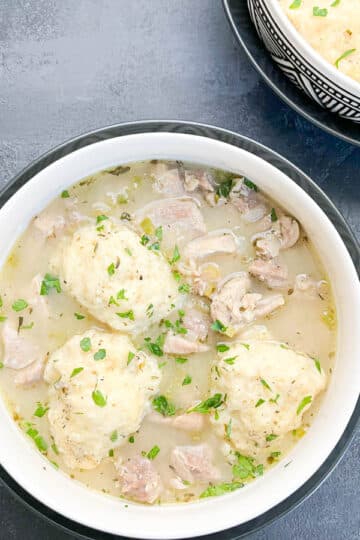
<point x="321" y="81"/>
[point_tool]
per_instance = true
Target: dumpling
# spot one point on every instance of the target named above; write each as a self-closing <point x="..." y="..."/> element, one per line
<point x="100" y="388"/>
<point x="268" y="387"/>
<point x="121" y="282"/>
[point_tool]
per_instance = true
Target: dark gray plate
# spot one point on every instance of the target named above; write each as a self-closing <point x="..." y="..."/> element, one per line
<point x="245" y="33"/>
<point x="302" y="180"/>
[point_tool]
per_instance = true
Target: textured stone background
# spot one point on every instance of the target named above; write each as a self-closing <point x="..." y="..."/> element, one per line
<point x="70" y="66"/>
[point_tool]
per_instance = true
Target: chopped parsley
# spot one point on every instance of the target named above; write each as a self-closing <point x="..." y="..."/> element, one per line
<point x="98" y="398"/>
<point x="159" y="233"/>
<point x="2" y="318"/>
<point x="150" y="310"/>
<point x="273" y="215"/>
<point x="121" y="295"/>
<point x="131" y="439"/>
<point x="101" y="218"/>
<point x="343" y="56"/>
<point x="180" y="360"/>
<point x="65" y="194"/>
<point x="161" y="405"/>
<point x="50" y="282"/>
<point x="220" y="489"/>
<point x="111" y="452"/>
<point x="224" y="189"/>
<point x="38" y="439"/>
<point x="1" y="365"/>
<point x="147" y="226"/>
<point x="335" y="3"/>
<point x="271" y="437"/>
<point x="114" y="436"/>
<point x="100" y="355"/>
<point x="319" y="12"/>
<point x="156" y="347"/>
<point x="275" y="455"/>
<point x="76" y="371"/>
<point x="144" y="240"/>
<point x="218" y="326"/>
<point x="244" y="468"/>
<point x="85" y="344"/>
<point x="231" y="360"/>
<point x="205" y="406"/>
<point x="250" y="184"/>
<point x="184" y="288"/>
<point x="265" y="384"/>
<point x="111" y="269"/>
<point x="275" y="399"/>
<point x="187" y="380"/>
<point x="79" y="316"/>
<point x="317" y="364"/>
<point x="153" y="452"/>
<point x="131" y="356"/>
<point x="177" y="275"/>
<point x="305" y="401"/>
<point x="54" y="448"/>
<point x="176" y="256"/>
<point x="221" y="347"/>
<point x="40" y="410"/>
<point x="260" y="402"/>
<point x="296" y="4"/>
<point x="19" y="305"/>
<point x="127" y="315"/>
<point x="128" y="251"/>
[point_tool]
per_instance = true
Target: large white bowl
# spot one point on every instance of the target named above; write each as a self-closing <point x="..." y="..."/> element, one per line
<point x="93" y="509"/>
<point x="304" y="66"/>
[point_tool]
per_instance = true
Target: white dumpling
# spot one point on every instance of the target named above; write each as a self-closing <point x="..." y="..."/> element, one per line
<point x="97" y="397"/>
<point x="268" y="387"/>
<point x="121" y="282"/>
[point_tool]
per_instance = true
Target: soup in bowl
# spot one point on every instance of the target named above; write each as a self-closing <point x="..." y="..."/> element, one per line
<point x="172" y="332"/>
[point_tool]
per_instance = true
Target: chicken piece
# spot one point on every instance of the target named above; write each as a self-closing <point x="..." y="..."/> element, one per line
<point x="283" y="234"/>
<point x="49" y="225"/>
<point x="289" y="231"/>
<point x="19" y="351"/>
<point x="31" y="374"/>
<point x="139" y="480"/>
<point x="305" y="284"/>
<point x="197" y="324"/>
<point x="234" y="307"/>
<point x="194" y="180"/>
<point x="194" y="463"/>
<point x="272" y="273"/>
<point x="175" y="344"/>
<point x="176" y="216"/>
<point x="226" y="302"/>
<point x="204" y="278"/>
<point x="249" y="202"/>
<point x="193" y="422"/>
<point x="221" y="241"/>
<point x="168" y="181"/>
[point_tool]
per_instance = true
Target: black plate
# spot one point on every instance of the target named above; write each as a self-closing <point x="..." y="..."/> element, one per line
<point x="245" y="33"/>
<point x="302" y="180"/>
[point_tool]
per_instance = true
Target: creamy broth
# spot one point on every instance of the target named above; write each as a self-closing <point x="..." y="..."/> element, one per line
<point x="305" y="322"/>
<point x="333" y="30"/>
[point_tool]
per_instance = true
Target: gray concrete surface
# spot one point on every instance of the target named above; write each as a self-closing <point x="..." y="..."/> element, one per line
<point x="70" y="66"/>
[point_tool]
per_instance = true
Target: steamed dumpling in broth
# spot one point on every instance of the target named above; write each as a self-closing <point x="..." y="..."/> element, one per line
<point x="167" y="331"/>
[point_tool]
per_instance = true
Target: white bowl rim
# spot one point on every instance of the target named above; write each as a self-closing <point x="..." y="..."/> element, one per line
<point x="344" y="81"/>
<point x="149" y="123"/>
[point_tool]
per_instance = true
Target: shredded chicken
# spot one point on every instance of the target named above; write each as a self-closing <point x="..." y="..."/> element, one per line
<point x="19" y="351"/>
<point x="177" y="216"/>
<point x="31" y="374"/>
<point x="193" y="422"/>
<point x="305" y="284"/>
<point x="221" y="241"/>
<point x="271" y="272"/>
<point x="197" y="324"/>
<point x="194" y="463"/>
<point x="235" y="307"/>
<point x="249" y="202"/>
<point x="283" y="234"/>
<point x="176" y="344"/>
<point x="139" y="480"/>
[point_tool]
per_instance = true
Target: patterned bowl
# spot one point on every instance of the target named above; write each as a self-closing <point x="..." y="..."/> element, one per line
<point x="320" y="80"/>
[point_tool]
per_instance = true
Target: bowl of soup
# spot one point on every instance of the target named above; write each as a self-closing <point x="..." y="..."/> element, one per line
<point x="317" y="47"/>
<point x="179" y="351"/>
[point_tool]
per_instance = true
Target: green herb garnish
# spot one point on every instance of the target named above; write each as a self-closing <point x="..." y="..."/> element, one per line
<point x="343" y="56"/>
<point x="265" y="384"/>
<point x="220" y="489"/>
<point x="319" y="12"/>
<point x="85" y="344"/>
<point x="76" y="371"/>
<point x="270" y="437"/>
<point x="273" y="215"/>
<point x="19" y="305"/>
<point x="250" y="184"/>
<point x="176" y="256"/>
<point x="296" y="4"/>
<point x="205" y="406"/>
<point x="41" y="410"/>
<point x="305" y="401"/>
<point x="50" y="282"/>
<point x="221" y="347"/>
<point x="79" y="317"/>
<point x="131" y="355"/>
<point x="180" y="360"/>
<point x="187" y="380"/>
<point x="161" y="405"/>
<point x="126" y="315"/>
<point x="100" y="355"/>
<point x="218" y="326"/>
<point x="260" y="402"/>
<point x="65" y="194"/>
<point x="98" y="398"/>
<point x="153" y="452"/>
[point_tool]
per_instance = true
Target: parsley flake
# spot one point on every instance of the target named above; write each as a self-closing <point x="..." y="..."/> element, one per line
<point x="98" y="398"/>
<point x="205" y="406"/>
<point x="187" y="380"/>
<point x="153" y="452"/>
<point x="305" y="401"/>
<point x="76" y="371"/>
<point x="19" y="305"/>
<point x="85" y="344"/>
<point x="100" y="355"/>
<point x="161" y="405"/>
